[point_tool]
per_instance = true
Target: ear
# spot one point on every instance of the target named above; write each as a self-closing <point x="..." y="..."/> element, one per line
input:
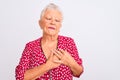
<point x="40" y="23"/>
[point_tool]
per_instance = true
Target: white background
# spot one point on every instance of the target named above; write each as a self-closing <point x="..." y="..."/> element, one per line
<point x="94" y="25"/>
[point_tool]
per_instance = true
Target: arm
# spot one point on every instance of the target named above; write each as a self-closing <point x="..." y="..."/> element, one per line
<point x="23" y="72"/>
<point x="75" y="63"/>
<point x="23" y="64"/>
<point x="66" y="59"/>
<point x="75" y="67"/>
<point x="70" y="58"/>
<point x="34" y="73"/>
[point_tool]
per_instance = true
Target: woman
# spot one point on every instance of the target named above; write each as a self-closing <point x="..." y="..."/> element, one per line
<point x="51" y="57"/>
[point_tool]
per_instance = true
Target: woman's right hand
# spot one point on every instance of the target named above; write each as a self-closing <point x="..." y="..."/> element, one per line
<point x="51" y="61"/>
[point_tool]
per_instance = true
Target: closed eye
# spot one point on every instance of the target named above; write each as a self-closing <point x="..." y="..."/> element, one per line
<point x="48" y="18"/>
<point x="57" y="20"/>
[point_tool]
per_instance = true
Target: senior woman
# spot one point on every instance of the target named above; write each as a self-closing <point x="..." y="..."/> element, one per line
<point x="51" y="57"/>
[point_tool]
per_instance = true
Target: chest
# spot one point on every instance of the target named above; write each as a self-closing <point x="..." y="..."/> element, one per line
<point x="40" y="54"/>
<point x="47" y="49"/>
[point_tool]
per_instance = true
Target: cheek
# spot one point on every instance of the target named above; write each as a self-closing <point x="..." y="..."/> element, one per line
<point x="59" y="26"/>
<point x="44" y="24"/>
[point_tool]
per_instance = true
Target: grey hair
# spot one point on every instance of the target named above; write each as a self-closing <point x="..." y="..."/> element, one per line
<point x="50" y="6"/>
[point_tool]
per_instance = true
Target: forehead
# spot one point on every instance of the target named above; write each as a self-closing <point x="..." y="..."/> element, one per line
<point x="53" y="13"/>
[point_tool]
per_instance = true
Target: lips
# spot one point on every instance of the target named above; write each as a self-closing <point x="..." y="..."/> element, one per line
<point x="52" y="28"/>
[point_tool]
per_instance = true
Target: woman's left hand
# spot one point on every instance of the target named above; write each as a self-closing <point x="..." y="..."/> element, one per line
<point x="63" y="57"/>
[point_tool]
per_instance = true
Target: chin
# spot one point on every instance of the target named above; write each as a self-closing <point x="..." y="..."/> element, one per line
<point x="53" y="34"/>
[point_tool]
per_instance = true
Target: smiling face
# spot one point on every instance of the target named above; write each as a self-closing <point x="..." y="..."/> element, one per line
<point x="51" y="22"/>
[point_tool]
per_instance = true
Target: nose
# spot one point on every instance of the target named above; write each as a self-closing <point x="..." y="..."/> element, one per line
<point x="52" y="22"/>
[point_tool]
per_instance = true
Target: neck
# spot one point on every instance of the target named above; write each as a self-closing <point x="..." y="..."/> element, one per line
<point x="49" y="38"/>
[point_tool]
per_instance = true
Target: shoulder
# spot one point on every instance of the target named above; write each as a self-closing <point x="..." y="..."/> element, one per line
<point x="66" y="38"/>
<point x="34" y="43"/>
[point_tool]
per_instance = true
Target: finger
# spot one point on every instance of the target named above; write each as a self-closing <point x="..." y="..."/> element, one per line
<point x="58" y="61"/>
<point x="59" y="52"/>
<point x="58" y="56"/>
<point x="62" y="51"/>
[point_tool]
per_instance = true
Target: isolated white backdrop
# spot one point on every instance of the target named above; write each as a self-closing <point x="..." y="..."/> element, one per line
<point x="94" y="25"/>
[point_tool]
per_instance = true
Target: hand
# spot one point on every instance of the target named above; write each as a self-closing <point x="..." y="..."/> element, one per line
<point x="51" y="61"/>
<point x="64" y="57"/>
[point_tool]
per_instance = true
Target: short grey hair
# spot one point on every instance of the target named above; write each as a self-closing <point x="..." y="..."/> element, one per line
<point x="50" y="6"/>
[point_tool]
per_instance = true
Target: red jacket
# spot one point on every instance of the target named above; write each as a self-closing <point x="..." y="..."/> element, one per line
<point x="33" y="56"/>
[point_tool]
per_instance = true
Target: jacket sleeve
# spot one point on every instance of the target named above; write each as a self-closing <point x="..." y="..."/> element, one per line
<point x="23" y="64"/>
<point x="72" y="49"/>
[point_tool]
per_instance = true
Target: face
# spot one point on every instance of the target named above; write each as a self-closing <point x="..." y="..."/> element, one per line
<point x="51" y="22"/>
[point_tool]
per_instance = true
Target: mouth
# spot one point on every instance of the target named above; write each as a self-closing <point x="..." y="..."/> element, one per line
<point x="52" y="28"/>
